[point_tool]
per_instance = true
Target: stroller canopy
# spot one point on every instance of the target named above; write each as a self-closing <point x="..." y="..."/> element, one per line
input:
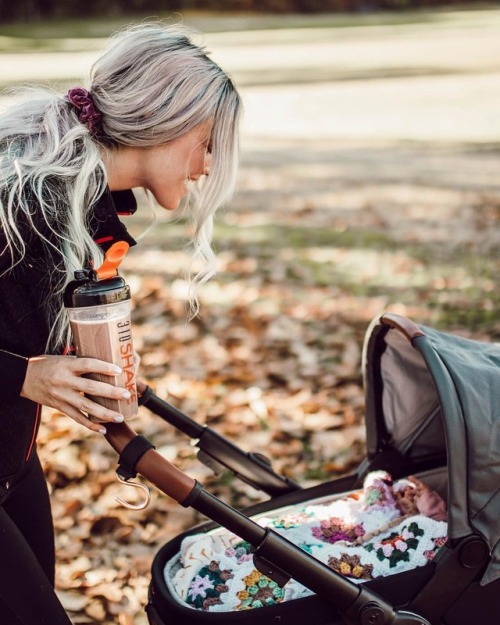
<point x="430" y="393"/>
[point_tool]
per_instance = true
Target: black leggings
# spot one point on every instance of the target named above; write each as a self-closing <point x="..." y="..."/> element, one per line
<point x="27" y="559"/>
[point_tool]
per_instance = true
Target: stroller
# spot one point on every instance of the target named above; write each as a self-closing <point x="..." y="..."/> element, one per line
<point x="433" y="411"/>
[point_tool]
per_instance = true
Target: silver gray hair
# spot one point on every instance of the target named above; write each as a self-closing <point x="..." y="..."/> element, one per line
<point x="151" y="85"/>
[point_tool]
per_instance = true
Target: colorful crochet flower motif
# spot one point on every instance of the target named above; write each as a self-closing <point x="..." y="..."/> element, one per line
<point x="396" y="547"/>
<point x="350" y="566"/>
<point x="289" y="521"/>
<point x="430" y="554"/>
<point x="241" y="552"/>
<point x="259" y="591"/>
<point x="334" y="529"/>
<point x="206" y="587"/>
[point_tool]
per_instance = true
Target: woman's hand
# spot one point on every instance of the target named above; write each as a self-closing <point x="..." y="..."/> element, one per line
<point x="57" y="382"/>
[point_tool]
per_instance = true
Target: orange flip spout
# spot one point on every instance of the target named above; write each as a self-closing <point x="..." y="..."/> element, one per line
<point x="112" y="260"/>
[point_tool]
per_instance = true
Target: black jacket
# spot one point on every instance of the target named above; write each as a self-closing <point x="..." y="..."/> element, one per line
<point x="25" y="325"/>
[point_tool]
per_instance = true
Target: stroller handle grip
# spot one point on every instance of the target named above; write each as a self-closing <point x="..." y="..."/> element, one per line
<point x="152" y="465"/>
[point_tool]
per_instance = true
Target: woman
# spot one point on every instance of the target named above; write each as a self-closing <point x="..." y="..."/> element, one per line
<point x="159" y="114"/>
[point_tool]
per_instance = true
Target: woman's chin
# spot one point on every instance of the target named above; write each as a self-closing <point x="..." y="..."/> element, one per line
<point x="172" y="202"/>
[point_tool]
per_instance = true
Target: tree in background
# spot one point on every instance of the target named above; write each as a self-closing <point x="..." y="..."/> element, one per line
<point x="34" y="10"/>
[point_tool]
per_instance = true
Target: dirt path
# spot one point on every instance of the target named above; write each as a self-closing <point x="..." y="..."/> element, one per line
<point x="437" y="80"/>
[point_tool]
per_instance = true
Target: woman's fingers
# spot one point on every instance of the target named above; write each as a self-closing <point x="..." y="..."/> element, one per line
<point x="56" y="381"/>
<point x="82" y="419"/>
<point x="97" y="412"/>
<point x="81" y="366"/>
<point x="93" y="388"/>
<point x="101" y="389"/>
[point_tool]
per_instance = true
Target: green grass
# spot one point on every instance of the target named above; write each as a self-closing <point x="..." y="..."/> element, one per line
<point x="455" y="284"/>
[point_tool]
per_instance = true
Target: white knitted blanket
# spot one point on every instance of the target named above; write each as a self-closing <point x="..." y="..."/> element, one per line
<point x="361" y="535"/>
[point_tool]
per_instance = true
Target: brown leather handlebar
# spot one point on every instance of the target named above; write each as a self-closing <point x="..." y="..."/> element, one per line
<point x="154" y="467"/>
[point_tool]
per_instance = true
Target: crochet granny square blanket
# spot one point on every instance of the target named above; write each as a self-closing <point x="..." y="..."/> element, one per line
<point x="362" y="535"/>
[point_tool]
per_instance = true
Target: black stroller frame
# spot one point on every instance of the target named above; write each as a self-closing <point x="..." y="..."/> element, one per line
<point x="220" y="454"/>
<point x="456" y="429"/>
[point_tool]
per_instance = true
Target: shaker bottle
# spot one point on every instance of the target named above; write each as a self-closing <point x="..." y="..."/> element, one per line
<point x="98" y="306"/>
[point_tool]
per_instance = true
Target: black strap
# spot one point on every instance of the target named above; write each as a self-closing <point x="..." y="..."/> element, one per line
<point x="130" y="456"/>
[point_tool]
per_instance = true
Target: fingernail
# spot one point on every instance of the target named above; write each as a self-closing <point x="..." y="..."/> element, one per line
<point x="119" y="418"/>
<point x="126" y="395"/>
<point x="117" y="370"/>
<point x="102" y="430"/>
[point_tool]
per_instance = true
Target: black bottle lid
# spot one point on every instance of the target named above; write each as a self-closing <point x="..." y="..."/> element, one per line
<point x="87" y="290"/>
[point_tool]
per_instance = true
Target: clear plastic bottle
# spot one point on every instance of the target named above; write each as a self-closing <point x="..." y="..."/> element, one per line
<point x="99" y="314"/>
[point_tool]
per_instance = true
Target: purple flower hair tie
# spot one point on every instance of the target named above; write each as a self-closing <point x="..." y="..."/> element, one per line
<point x="87" y="113"/>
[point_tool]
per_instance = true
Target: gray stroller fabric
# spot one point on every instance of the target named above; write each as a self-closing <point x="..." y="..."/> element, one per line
<point x="410" y="402"/>
<point x="470" y="371"/>
<point x="442" y="393"/>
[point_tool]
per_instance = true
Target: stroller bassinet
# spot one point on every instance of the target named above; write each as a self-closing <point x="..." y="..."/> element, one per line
<point x="432" y="410"/>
